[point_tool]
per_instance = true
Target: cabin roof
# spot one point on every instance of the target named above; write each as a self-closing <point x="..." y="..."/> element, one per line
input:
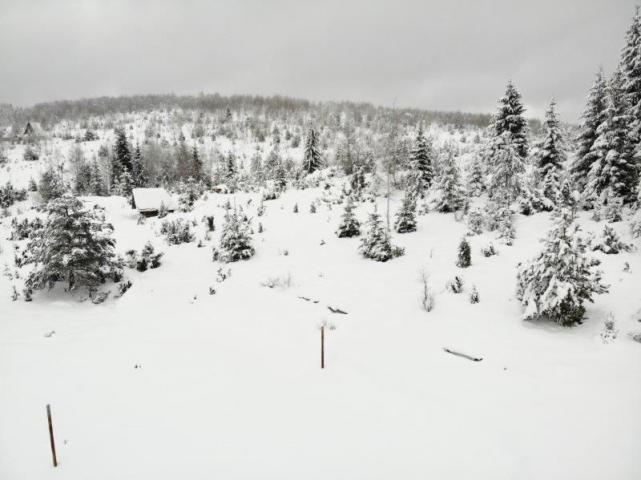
<point x="149" y="199"/>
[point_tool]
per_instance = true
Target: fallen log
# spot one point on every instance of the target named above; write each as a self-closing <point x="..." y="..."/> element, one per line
<point x="459" y="354"/>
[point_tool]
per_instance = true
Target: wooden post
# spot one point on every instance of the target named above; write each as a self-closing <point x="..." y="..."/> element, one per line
<point x="51" y="440"/>
<point x="322" y="329"/>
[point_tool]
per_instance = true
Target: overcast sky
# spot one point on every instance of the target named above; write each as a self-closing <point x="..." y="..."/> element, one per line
<point x="433" y="54"/>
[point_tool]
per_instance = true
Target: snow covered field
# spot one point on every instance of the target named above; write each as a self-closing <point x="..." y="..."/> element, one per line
<point x="172" y="382"/>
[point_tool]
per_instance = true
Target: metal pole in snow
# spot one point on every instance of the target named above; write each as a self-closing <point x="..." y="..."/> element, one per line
<point x="51" y="440"/>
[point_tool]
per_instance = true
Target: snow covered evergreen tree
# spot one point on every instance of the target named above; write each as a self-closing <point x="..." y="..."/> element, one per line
<point x="50" y="185"/>
<point x="350" y="226"/>
<point x="122" y="155"/>
<point x="593" y="116"/>
<point x="235" y="239"/>
<point x="551" y="157"/>
<point x="376" y="244"/>
<point x="451" y="196"/>
<point x="506" y="167"/>
<point x="184" y="162"/>
<point x="464" y="256"/>
<point x="475" y="181"/>
<point x="509" y="118"/>
<point x="74" y="246"/>
<point x="421" y="162"/>
<point x="197" y="169"/>
<point x="406" y="217"/>
<point x="138" y="174"/>
<point x="613" y="167"/>
<point x="312" y="158"/>
<point x="562" y="277"/>
<point x="630" y="66"/>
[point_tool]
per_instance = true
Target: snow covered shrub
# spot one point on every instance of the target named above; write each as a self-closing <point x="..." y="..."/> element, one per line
<point x="295" y="208"/>
<point x="427" y="298"/>
<point x="10" y="195"/>
<point x="75" y="246"/>
<point x="349" y="226"/>
<point x="24" y="229"/>
<point x="609" y="333"/>
<point x="312" y="208"/>
<point x="489" y="250"/>
<point x="269" y="195"/>
<point x="177" y="231"/>
<point x="455" y="285"/>
<point x="562" y="277"/>
<point x="235" y="240"/>
<point x="464" y="258"/>
<point x="475" y="222"/>
<point x="283" y="282"/>
<point x="376" y="244"/>
<point x="210" y="223"/>
<point x="611" y="207"/>
<point x="611" y="243"/>
<point x="30" y="154"/>
<point x="123" y="287"/>
<point x="406" y="216"/>
<point x="162" y="210"/>
<point x="474" y="295"/>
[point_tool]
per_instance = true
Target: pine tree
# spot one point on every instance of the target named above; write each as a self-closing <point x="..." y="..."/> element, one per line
<point x="235" y="240"/>
<point x="124" y="185"/>
<point x="613" y="167"/>
<point x="506" y="167"/>
<point x="349" y="226"/>
<point x="183" y="159"/>
<point x="122" y="153"/>
<point x="376" y="245"/>
<point x="562" y="277"/>
<point x="450" y="191"/>
<point x="406" y="216"/>
<point x="280" y="177"/>
<point x="593" y="116"/>
<point x="50" y="185"/>
<point x="421" y="162"/>
<point x="509" y="118"/>
<point x="551" y="157"/>
<point x="75" y="246"/>
<point x="630" y="65"/>
<point x="138" y="174"/>
<point x="197" y="165"/>
<point x="97" y="181"/>
<point x="312" y="158"/>
<point x="475" y="179"/>
<point x="464" y="257"/>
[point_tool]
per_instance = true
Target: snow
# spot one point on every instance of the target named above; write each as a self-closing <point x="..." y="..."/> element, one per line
<point x="230" y="385"/>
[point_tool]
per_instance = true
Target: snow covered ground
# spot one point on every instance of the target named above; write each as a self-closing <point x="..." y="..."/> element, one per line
<point x="171" y="382"/>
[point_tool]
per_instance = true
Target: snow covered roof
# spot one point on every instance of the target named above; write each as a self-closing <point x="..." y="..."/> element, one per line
<point x="149" y="199"/>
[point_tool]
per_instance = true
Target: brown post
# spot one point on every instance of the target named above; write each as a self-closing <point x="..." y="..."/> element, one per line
<point x="322" y="346"/>
<point x="51" y="440"/>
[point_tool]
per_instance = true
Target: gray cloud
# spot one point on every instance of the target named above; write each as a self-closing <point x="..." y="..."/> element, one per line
<point x="446" y="54"/>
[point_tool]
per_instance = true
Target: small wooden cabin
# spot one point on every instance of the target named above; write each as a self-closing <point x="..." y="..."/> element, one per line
<point x="148" y="201"/>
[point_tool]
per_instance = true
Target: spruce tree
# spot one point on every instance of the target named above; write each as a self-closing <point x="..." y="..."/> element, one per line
<point x="464" y="257"/>
<point x="50" y="185"/>
<point x="75" y="246"/>
<point x="183" y="159"/>
<point x="551" y="157"/>
<point x="506" y="167"/>
<point x="406" y="217"/>
<point x="593" y="116"/>
<point x="196" y="165"/>
<point x="475" y="181"/>
<point x="450" y="192"/>
<point x="630" y="65"/>
<point x="312" y="158"/>
<point x="235" y="239"/>
<point x="421" y="162"/>
<point x="509" y="118"/>
<point x="138" y="174"/>
<point x="562" y="277"/>
<point x="376" y="244"/>
<point x="613" y="167"/>
<point x="122" y="152"/>
<point x="349" y="226"/>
